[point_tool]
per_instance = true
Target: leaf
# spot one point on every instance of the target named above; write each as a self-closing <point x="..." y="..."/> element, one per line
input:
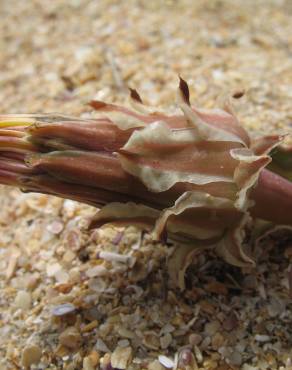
<point x="231" y="247"/>
<point x="203" y="220"/>
<point x="125" y="214"/>
<point x="178" y="263"/>
<point x="215" y="125"/>
<point x="246" y="173"/>
<point x="161" y="157"/>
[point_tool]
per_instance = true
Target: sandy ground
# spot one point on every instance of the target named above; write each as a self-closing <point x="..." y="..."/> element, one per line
<point x="55" y="56"/>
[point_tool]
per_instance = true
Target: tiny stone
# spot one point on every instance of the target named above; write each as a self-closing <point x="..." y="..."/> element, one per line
<point x="74" y="275"/>
<point x="249" y="367"/>
<point x="123" y="343"/>
<point x="97" y="285"/>
<point x="262" y="338"/>
<point x="275" y="308"/>
<point x="32" y="282"/>
<point x="186" y="358"/>
<point x="121" y="357"/>
<point x="97" y="271"/>
<point x="166" y="361"/>
<point x="87" y="364"/>
<point x="31" y="355"/>
<point x="70" y="338"/>
<point x="165" y="341"/>
<point x="101" y="346"/>
<point x="69" y="256"/>
<point x="217" y="341"/>
<point x="198" y="354"/>
<point x="235" y="358"/>
<point x="195" y="339"/>
<point x="52" y="269"/>
<point x="23" y="300"/>
<point x="63" y="309"/>
<point x="168" y="328"/>
<point x="205" y="343"/>
<point x="55" y="227"/>
<point x="94" y="358"/>
<point x="155" y="365"/>
<point x="12" y="264"/>
<point x="212" y="327"/>
<point x="64" y="288"/>
<point x="88" y="327"/>
<point x="230" y="322"/>
<point x="224" y="351"/>
<point x="61" y="276"/>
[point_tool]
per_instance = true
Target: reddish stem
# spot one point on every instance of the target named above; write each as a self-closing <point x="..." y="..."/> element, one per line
<point x="273" y="198"/>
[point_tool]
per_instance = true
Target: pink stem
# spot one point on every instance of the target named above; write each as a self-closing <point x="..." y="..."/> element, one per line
<point x="273" y="198"/>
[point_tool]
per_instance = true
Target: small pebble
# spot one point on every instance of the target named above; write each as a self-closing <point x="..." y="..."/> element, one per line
<point x="87" y="364"/>
<point x="166" y="361"/>
<point x="121" y="357"/>
<point x="186" y="358"/>
<point x="69" y="256"/>
<point x="101" y="346"/>
<point x="94" y="358"/>
<point x="31" y="355"/>
<point x="55" y="227"/>
<point x="23" y="300"/>
<point x="70" y="338"/>
<point x="195" y="339"/>
<point x="198" y="354"/>
<point x="230" y="322"/>
<point x="235" y="358"/>
<point x="123" y="343"/>
<point x="262" y="338"/>
<point x="155" y="365"/>
<point x="212" y="327"/>
<point x="63" y="309"/>
<point x="62" y="276"/>
<point x="52" y="269"/>
<point x="217" y="341"/>
<point x="165" y="340"/>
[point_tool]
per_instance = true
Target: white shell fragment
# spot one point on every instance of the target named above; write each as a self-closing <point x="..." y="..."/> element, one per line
<point x="63" y="309"/>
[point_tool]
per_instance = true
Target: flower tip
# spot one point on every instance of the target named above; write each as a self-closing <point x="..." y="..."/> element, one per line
<point x="97" y="104"/>
<point x="238" y="94"/>
<point x="184" y="90"/>
<point x="135" y="96"/>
